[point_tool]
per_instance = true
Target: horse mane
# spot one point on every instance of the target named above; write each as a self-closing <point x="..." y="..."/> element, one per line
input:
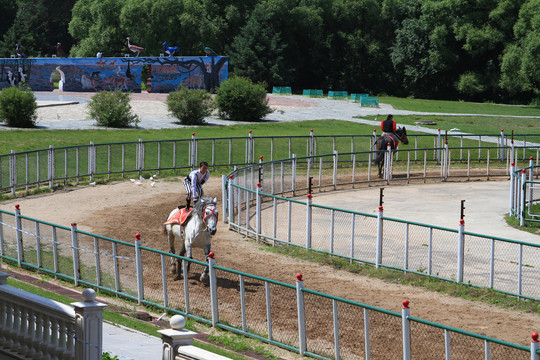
<point x="199" y="205"/>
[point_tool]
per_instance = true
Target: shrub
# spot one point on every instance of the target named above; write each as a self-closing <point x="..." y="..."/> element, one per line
<point x="239" y="99"/>
<point x="190" y="106"/>
<point x="18" y="107"/>
<point x="112" y="109"/>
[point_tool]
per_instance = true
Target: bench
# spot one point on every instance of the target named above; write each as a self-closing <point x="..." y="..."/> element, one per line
<point x="369" y="101"/>
<point x="284" y="90"/>
<point x="357" y="97"/>
<point x="312" y="92"/>
<point x="338" y="94"/>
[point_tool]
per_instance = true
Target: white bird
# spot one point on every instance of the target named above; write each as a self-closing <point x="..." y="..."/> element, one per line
<point x="141" y="178"/>
<point x="93" y="183"/>
<point x="454" y="129"/>
<point x="134" y="48"/>
<point x="138" y="183"/>
<point x="132" y="180"/>
<point x="151" y="178"/>
<point x="153" y="184"/>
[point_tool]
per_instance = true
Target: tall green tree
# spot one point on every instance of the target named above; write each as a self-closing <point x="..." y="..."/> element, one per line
<point x="520" y="66"/>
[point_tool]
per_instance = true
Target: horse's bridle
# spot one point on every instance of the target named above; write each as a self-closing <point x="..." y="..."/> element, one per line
<point x="213" y="212"/>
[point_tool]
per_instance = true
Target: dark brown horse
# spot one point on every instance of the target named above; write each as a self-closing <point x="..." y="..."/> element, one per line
<point x="381" y="145"/>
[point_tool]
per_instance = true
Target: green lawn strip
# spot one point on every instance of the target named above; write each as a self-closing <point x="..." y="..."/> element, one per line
<point x="479" y="125"/>
<point x="464" y="291"/>
<point x="117" y="317"/>
<point x="458" y="107"/>
<point x="26" y="140"/>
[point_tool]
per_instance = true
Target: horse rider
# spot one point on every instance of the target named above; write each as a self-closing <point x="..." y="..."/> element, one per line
<point x="194" y="181"/>
<point x="388" y="126"/>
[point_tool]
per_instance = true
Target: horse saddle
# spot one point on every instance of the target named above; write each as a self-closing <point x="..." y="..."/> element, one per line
<point x="180" y="217"/>
<point x="393" y="139"/>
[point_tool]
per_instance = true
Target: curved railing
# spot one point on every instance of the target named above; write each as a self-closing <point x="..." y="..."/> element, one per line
<point x="73" y="164"/>
<point x="263" y="201"/>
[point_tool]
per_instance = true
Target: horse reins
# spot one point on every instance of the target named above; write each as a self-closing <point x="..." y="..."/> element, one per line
<point x="204" y="217"/>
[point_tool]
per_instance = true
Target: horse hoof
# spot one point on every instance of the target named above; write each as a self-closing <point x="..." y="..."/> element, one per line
<point x="173" y="270"/>
<point x="177" y="277"/>
<point x="203" y="277"/>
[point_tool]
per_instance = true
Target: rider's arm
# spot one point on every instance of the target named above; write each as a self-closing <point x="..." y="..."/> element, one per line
<point x="393" y="126"/>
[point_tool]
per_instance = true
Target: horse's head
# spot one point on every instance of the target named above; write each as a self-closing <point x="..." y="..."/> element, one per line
<point x="209" y="212"/>
<point x="402" y="134"/>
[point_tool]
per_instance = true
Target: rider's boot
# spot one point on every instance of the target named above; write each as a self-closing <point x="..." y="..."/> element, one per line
<point x="188" y="203"/>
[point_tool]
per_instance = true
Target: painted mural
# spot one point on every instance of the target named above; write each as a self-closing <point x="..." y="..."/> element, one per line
<point x="164" y="74"/>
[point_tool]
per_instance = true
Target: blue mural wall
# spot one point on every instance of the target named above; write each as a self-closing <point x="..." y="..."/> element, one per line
<point x="165" y="74"/>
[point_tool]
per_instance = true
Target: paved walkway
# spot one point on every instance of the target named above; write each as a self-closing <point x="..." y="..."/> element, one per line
<point x="58" y="111"/>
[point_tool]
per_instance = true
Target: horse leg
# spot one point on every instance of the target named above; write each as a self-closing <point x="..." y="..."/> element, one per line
<point x="170" y="236"/>
<point x="204" y="275"/>
<point x="179" y="264"/>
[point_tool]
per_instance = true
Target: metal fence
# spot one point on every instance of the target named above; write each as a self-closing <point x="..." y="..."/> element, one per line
<point x="62" y="165"/>
<point x="291" y="316"/>
<point x="255" y="208"/>
<point x="524" y="193"/>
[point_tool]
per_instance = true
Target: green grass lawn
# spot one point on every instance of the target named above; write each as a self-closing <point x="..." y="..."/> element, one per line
<point x="459" y="107"/>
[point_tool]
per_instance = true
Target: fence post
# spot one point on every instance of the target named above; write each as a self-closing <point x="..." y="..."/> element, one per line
<point x="438" y="146"/>
<point x="224" y="195"/>
<point x="75" y="247"/>
<point x="461" y="250"/>
<point x="231" y="201"/>
<point x="512" y="186"/>
<point x="193" y="159"/>
<point x="88" y="326"/>
<point x="446" y="161"/>
<point x="250" y="148"/>
<point x="374" y="153"/>
<point x="261" y="171"/>
<point x="294" y="174"/>
<point x="213" y="288"/>
<point x="311" y="143"/>
<point x="406" y="328"/>
<point x="139" y="268"/>
<point x="258" y="211"/>
<point x="13" y="171"/>
<point x="380" y="223"/>
<point x="20" y="247"/>
<point x="301" y="314"/>
<point x="522" y="194"/>
<point x="388" y="164"/>
<point x="531" y="178"/>
<point x="308" y="222"/>
<point x="534" y="346"/>
<point x="502" y="145"/>
<point x="334" y="177"/>
<point x="51" y="166"/>
<point x="91" y="160"/>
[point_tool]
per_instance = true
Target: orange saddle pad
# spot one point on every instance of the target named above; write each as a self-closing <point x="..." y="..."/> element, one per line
<point x="180" y="217"/>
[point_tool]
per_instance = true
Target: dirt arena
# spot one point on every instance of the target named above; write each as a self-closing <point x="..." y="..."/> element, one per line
<point x="121" y="209"/>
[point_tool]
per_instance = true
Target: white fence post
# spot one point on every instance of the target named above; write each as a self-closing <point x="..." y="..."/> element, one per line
<point x="308" y="222"/>
<point x="231" y="201"/>
<point x="250" y="148"/>
<point x="406" y="328"/>
<point x="438" y="146"/>
<point x="75" y="248"/>
<point x="301" y="314"/>
<point x="374" y="153"/>
<point x="88" y="327"/>
<point x="534" y="346"/>
<point x="20" y="246"/>
<point x="213" y="288"/>
<point x="461" y="250"/>
<point x="258" y="211"/>
<point x="446" y="161"/>
<point x="388" y="164"/>
<point x="91" y="160"/>
<point x="192" y="159"/>
<point x="13" y="171"/>
<point x="139" y="268"/>
<point x="224" y="199"/>
<point x="380" y="223"/>
<point x="51" y="166"/>
<point x="522" y="195"/>
<point x="512" y="186"/>
<point x="334" y="177"/>
<point x="502" y="145"/>
<point x="294" y="174"/>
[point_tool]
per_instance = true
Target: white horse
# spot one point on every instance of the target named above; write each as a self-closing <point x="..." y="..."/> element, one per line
<point x="197" y="231"/>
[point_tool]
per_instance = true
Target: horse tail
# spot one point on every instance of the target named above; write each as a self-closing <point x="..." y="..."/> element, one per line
<point x="163" y="229"/>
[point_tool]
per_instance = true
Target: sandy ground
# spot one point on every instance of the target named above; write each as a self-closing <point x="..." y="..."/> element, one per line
<point x="121" y="209"/>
